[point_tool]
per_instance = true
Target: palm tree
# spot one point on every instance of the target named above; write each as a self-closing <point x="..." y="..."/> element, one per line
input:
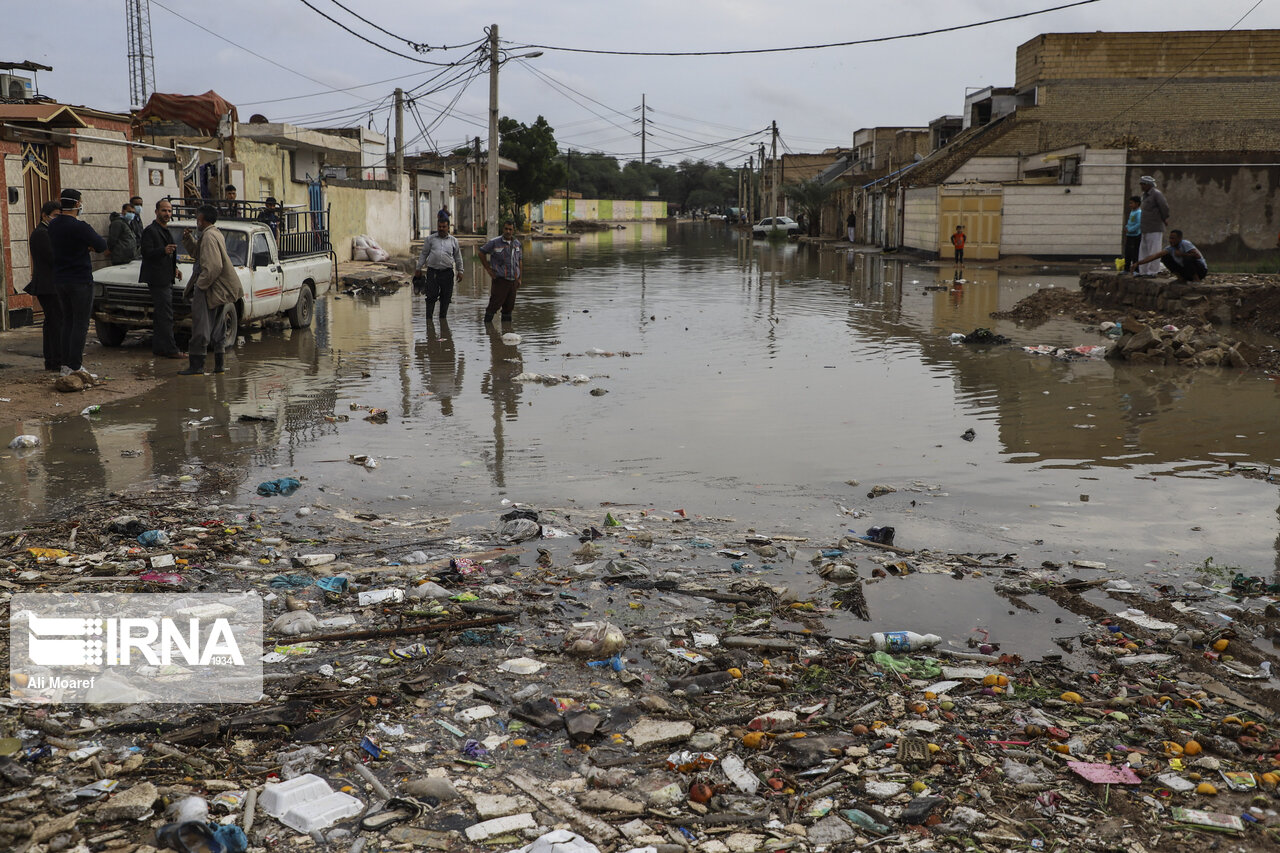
<point x="810" y="196"/>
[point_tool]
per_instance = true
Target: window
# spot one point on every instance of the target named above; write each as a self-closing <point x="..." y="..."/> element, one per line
<point x="1069" y="171"/>
<point x="260" y="245"/>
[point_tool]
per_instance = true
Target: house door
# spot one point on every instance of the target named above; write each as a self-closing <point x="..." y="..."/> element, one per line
<point x="38" y="183"/>
<point x="424" y="213"/>
<point x="979" y="210"/>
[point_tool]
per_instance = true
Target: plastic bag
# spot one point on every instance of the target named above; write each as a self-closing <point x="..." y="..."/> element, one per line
<point x="295" y="623"/>
<point x="519" y="530"/>
<point x="595" y="639"/>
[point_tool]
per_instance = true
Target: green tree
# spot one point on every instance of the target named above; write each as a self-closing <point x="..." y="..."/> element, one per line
<point x="533" y="148"/>
<point x="810" y="196"/>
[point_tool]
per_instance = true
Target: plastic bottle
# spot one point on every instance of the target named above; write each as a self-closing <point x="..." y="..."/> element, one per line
<point x="897" y="642"/>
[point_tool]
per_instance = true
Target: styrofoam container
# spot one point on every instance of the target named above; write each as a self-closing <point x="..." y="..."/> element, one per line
<point x="307" y="803"/>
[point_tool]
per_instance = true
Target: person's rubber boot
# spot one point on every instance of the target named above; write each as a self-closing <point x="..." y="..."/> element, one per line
<point x="195" y="366"/>
<point x="219" y="363"/>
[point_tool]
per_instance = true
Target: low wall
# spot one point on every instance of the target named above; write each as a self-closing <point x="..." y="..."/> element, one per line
<point x="1221" y="299"/>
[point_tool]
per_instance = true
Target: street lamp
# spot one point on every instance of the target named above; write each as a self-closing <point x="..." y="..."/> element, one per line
<point x="491" y="191"/>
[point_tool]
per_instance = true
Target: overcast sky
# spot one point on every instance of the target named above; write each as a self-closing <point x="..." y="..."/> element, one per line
<point x="698" y="104"/>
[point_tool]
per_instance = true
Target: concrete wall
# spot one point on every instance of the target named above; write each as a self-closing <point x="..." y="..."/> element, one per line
<point x="986" y="170"/>
<point x="1151" y="55"/>
<point x="1085" y="219"/>
<point x="597" y="210"/>
<point x="372" y="208"/>
<point x="920" y="219"/>
<point x="1229" y="211"/>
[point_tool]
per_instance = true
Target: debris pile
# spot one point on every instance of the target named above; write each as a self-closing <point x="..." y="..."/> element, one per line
<point x="645" y="680"/>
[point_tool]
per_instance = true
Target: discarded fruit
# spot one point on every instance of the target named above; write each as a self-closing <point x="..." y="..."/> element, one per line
<point x="1206" y="789"/>
<point x="753" y="740"/>
<point x="1221" y="645"/>
<point x="1072" y="697"/>
<point x="700" y="792"/>
<point x="1191" y="747"/>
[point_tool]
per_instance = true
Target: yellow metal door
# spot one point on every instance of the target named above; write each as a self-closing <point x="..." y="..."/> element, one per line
<point x="979" y="210"/>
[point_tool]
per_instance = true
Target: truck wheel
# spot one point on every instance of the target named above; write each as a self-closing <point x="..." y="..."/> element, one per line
<point x="300" y="314"/>
<point x="230" y="326"/>
<point x="110" y="334"/>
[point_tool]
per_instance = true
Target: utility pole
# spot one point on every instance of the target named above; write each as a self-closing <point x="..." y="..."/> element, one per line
<point x="491" y="190"/>
<point x="751" y="199"/>
<point x="773" y="178"/>
<point x="568" y="158"/>
<point x="760" y="196"/>
<point x="399" y="131"/>
<point x="475" y="191"/>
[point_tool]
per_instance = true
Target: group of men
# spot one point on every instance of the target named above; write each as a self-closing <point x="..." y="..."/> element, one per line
<point x="62" y="279"/>
<point x="1144" y="249"/>
<point x="441" y="260"/>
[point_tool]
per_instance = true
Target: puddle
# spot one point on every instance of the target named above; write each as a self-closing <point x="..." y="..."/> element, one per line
<point x="742" y="380"/>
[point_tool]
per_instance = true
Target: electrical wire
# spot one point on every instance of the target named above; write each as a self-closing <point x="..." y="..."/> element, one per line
<point x="1193" y="61"/>
<point x="561" y="89"/>
<point x="238" y="46"/>
<point x="876" y="40"/>
<point x="420" y="47"/>
<point x="327" y="91"/>
<point x="368" y="40"/>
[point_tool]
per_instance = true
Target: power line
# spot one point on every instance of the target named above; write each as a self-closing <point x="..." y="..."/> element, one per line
<point x="1193" y="61"/>
<point x="420" y="47"/>
<point x="238" y="46"/>
<point x="329" y="91"/>
<point x="808" y="46"/>
<point x="368" y="40"/>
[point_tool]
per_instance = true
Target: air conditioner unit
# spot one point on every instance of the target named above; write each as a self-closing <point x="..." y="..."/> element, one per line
<point x="13" y="87"/>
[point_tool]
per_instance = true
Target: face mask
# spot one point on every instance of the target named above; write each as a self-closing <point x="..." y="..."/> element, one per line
<point x="131" y="216"/>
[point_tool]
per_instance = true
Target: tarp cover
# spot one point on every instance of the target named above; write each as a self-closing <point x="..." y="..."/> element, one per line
<point x="201" y="112"/>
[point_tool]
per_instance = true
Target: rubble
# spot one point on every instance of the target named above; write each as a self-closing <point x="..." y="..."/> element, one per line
<point x="467" y="691"/>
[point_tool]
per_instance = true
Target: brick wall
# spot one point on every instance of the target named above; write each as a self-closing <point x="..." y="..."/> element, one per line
<point x="1060" y="56"/>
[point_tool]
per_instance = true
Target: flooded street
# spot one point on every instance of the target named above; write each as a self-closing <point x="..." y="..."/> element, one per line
<point x="743" y="380"/>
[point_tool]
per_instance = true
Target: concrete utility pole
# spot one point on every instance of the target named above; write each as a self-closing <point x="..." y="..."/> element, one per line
<point x="399" y="131"/>
<point x="491" y="191"/>
<point x="475" y="192"/>
<point x="773" y="178"/>
<point x="751" y="199"/>
<point x="568" y="159"/>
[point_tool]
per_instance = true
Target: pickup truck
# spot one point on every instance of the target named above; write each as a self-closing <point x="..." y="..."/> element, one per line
<point x="280" y="277"/>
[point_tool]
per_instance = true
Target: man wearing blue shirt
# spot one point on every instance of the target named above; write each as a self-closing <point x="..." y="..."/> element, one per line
<point x="1181" y="258"/>
<point x="501" y="258"/>
<point x="1132" y="233"/>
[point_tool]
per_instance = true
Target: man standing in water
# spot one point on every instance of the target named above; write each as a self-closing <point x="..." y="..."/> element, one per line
<point x="1155" y="216"/>
<point x="501" y="258"/>
<point x="441" y="256"/>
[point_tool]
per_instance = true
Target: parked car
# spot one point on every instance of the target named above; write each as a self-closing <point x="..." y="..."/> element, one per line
<point x="279" y="278"/>
<point x="785" y="224"/>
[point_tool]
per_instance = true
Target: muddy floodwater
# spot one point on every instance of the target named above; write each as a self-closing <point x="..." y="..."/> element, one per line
<point x="732" y="378"/>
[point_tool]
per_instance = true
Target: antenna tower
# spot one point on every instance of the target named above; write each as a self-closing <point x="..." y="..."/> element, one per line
<point x="142" y="66"/>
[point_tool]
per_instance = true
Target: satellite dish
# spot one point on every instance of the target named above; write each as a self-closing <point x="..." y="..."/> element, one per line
<point x="257" y="118"/>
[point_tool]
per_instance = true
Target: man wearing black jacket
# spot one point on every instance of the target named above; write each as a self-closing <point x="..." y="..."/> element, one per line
<point x="160" y="271"/>
<point x="72" y="241"/>
<point x="42" y="288"/>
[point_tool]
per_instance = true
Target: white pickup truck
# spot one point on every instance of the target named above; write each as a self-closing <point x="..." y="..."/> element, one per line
<point x="279" y="278"/>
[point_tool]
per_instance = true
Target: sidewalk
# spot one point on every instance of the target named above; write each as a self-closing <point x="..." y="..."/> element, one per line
<point x="28" y="388"/>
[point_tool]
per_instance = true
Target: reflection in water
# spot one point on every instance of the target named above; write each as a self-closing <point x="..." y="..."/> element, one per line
<point x="499" y="385"/>
<point x="758" y="379"/>
<point x="441" y="363"/>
